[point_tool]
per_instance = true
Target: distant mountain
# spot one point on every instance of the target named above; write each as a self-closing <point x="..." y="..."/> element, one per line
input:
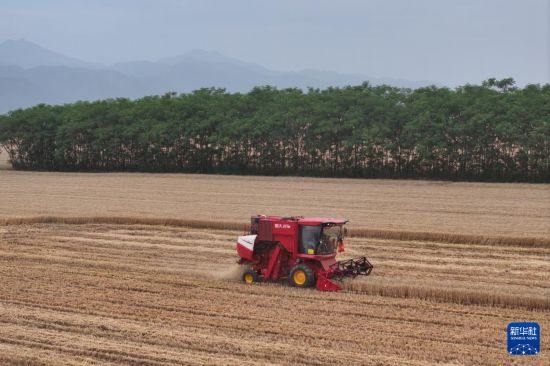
<point x="21" y="88"/>
<point x="30" y="74"/>
<point x="26" y="54"/>
<point x="17" y="92"/>
<point x="211" y="57"/>
<point x="198" y="68"/>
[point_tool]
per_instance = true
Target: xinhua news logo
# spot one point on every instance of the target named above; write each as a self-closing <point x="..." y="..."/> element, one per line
<point x="523" y="339"/>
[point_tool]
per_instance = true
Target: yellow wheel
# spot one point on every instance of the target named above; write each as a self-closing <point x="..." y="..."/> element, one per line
<point x="301" y="276"/>
<point x="250" y="276"/>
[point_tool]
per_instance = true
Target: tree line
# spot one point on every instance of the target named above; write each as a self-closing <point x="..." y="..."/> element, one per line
<point x="489" y="132"/>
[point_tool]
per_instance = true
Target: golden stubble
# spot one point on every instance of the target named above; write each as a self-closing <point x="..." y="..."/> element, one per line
<point x="157" y="295"/>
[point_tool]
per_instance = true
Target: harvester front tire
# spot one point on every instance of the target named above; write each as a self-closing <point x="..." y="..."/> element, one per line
<point x="301" y="276"/>
<point x="250" y="277"/>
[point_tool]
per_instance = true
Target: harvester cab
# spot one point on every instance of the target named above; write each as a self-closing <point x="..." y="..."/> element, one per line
<point x="303" y="250"/>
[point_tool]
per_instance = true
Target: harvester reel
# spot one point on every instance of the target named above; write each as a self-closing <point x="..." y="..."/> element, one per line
<point x="352" y="268"/>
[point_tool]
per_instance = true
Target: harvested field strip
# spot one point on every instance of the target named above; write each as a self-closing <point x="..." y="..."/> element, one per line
<point x="535" y="242"/>
<point x="151" y="295"/>
<point x="469" y="274"/>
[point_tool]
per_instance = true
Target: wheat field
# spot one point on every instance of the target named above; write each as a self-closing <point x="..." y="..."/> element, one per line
<point x="160" y="295"/>
<point x="140" y="269"/>
<point x="513" y="210"/>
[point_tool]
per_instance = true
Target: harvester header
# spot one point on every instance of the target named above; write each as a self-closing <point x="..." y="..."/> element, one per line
<point x="301" y="249"/>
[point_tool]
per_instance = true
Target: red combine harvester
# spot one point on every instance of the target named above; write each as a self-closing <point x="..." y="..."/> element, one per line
<point x="301" y="249"/>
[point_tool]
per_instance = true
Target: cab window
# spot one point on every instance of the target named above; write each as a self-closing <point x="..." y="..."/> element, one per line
<point x="310" y="236"/>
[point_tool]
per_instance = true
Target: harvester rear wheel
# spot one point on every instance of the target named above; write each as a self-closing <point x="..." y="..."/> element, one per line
<point x="301" y="276"/>
<point x="250" y="276"/>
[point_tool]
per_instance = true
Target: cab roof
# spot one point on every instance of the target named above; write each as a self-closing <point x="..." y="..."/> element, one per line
<point x="321" y="220"/>
<point x="306" y="220"/>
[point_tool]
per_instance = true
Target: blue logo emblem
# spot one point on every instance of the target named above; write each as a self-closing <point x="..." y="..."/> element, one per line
<point x="523" y="339"/>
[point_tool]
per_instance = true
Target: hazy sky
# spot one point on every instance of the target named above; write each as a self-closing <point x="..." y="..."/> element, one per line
<point x="449" y="42"/>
